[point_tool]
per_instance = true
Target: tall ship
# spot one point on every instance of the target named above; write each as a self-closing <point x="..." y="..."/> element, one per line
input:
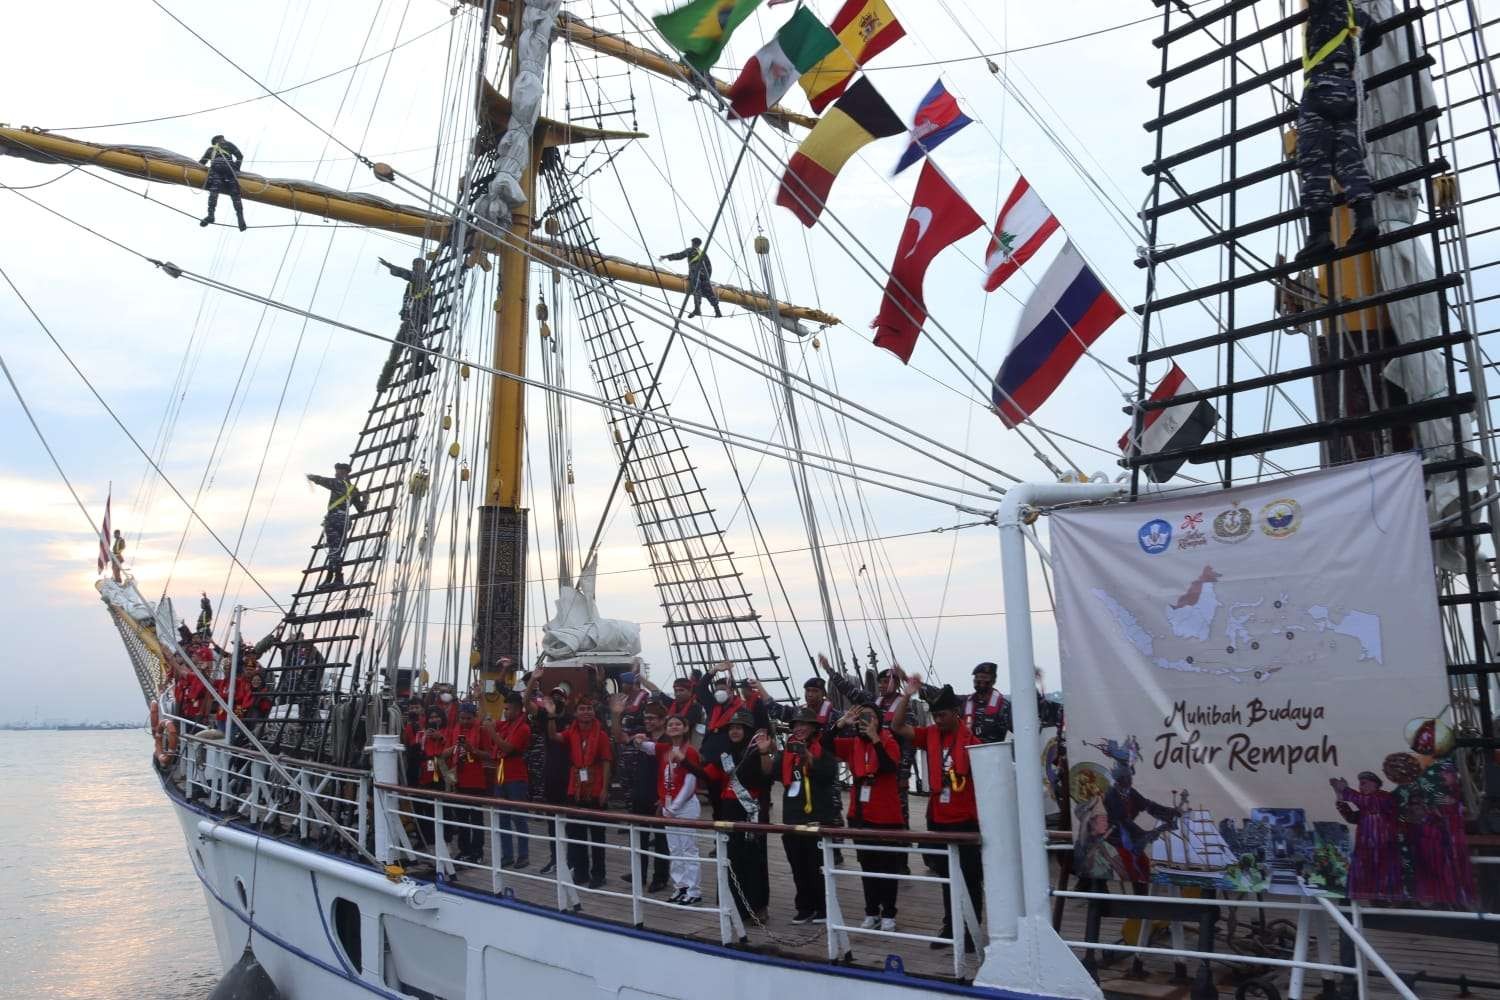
<point x="342" y="849"/>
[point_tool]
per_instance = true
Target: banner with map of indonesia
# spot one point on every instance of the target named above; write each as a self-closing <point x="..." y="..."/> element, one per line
<point x="1256" y="691"/>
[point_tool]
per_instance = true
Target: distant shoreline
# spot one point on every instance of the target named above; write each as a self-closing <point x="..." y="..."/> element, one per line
<point x="68" y="727"/>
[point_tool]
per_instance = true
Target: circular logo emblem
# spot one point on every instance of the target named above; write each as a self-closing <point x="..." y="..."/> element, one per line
<point x="1155" y="536"/>
<point x="1280" y="518"/>
<point x="1233" y="525"/>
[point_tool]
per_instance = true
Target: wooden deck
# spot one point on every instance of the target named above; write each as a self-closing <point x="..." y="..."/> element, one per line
<point x="920" y="912"/>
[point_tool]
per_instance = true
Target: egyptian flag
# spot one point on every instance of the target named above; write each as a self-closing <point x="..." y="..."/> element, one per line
<point x="1172" y="428"/>
<point x="701" y="29"/>
<point x="937" y="120"/>
<point x="1023" y="226"/>
<point x="865" y="29"/>
<point x="1066" y="313"/>
<point x="770" y="73"/>
<point x="857" y="119"/>
<point x="939" y="218"/>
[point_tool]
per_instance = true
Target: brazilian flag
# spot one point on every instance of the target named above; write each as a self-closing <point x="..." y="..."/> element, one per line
<point x="701" y="29"/>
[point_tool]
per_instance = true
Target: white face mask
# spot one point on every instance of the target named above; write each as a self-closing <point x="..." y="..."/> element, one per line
<point x="445" y="697"/>
<point x="721" y="696"/>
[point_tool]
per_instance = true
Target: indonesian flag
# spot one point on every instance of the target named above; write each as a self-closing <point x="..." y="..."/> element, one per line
<point x="939" y="218"/>
<point x="105" y="558"/>
<point x="770" y="73"/>
<point x="1171" y="428"/>
<point x="1024" y="225"/>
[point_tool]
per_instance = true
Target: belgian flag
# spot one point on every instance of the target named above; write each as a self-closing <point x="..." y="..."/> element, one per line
<point x="701" y="29"/>
<point x="857" y="119"/>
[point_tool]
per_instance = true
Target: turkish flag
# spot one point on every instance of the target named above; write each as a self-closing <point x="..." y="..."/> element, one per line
<point x="939" y="218"/>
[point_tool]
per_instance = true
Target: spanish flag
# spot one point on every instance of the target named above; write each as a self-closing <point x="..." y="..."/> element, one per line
<point x="701" y="29"/>
<point x="865" y="28"/>
<point x="858" y="118"/>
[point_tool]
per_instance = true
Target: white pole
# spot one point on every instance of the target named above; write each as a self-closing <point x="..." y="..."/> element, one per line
<point x="1020" y="501"/>
<point x="994" y="777"/>
<point x="1364" y="951"/>
<point x="234" y="672"/>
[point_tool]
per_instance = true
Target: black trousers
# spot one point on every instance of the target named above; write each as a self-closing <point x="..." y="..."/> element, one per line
<point x="968" y="862"/>
<point x="749" y="867"/>
<point x="470" y="836"/>
<point x="805" y="858"/>
<point x="880" y="893"/>
<point x="652" y="839"/>
<point x="586" y="857"/>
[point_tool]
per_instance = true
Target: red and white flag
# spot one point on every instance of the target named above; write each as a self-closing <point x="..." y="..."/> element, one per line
<point x="941" y="218"/>
<point x="1024" y="225"/>
<point x="1171" y="430"/>
<point x="104" y="535"/>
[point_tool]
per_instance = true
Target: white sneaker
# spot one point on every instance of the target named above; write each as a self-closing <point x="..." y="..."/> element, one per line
<point x="887" y="923"/>
<point x="869" y="923"/>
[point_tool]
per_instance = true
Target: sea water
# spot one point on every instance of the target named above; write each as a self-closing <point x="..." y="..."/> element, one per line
<point x="97" y="896"/>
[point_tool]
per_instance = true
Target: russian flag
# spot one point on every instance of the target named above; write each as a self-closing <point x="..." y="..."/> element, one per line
<point x="1066" y="313"/>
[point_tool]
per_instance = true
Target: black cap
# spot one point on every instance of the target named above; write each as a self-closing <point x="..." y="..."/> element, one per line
<point x="815" y="682"/>
<point x="513" y="698"/>
<point x="341" y="465"/>
<point x="946" y="701"/>
<point x="696" y="241"/>
<point x="987" y="668"/>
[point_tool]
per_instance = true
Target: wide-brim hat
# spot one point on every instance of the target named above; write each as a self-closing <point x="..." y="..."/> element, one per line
<point x="946" y="700"/>
<point x="808" y="715"/>
<point x="742" y="718"/>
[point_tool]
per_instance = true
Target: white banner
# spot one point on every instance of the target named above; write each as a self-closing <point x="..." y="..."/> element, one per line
<point x="1256" y="690"/>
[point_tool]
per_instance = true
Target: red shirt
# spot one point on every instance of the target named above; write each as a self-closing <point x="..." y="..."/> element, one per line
<point x="669" y="773"/>
<point x="470" y="743"/>
<point x="948" y="775"/>
<point x="876" y="798"/>
<point x="719" y="718"/>
<point x="434" y="742"/>
<point x="241" y="700"/>
<point x="512" y="765"/>
<point x="714" y="772"/>
<point x="588" y="748"/>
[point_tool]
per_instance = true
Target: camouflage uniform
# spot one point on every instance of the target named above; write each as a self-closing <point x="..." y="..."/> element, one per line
<point x="699" y="277"/>
<point x="223" y="159"/>
<point x="342" y="494"/>
<point x="1329" y="143"/>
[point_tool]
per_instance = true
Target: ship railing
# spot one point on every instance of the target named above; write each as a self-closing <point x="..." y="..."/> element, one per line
<point x="553" y="829"/>
<point x="238" y="780"/>
<point x="1314" y="917"/>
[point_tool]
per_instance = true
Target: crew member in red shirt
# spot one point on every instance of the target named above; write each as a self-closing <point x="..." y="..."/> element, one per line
<point x="685" y="705"/>
<point x="435" y="770"/>
<point x="739" y="794"/>
<point x="716" y="695"/>
<point x="590" y="754"/>
<point x="511" y="736"/>
<point x="471" y="753"/>
<point x="874" y="761"/>
<point x="951" y="807"/>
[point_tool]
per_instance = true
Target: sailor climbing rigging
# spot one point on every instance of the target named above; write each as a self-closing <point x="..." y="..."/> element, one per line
<point x="416" y="310"/>
<point x="223" y="159"/>
<point x="1329" y="143"/>
<point x="700" y="276"/>
<point x="342" y="495"/>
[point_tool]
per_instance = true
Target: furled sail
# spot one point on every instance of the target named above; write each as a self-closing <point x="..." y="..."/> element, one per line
<point x="577" y="629"/>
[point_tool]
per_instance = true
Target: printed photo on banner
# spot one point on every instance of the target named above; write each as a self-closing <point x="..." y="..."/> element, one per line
<point x="1257" y="696"/>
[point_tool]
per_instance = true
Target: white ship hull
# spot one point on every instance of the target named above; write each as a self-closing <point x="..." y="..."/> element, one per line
<point x="453" y="943"/>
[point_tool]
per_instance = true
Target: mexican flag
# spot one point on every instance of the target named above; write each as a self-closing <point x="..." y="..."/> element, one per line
<point x="700" y="29"/>
<point x="800" y="45"/>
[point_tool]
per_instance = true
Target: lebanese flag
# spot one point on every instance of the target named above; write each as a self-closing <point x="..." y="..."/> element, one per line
<point x="1171" y="428"/>
<point x="1067" y="312"/>
<point x="939" y="218"/>
<point x="800" y="45"/>
<point x="105" y="556"/>
<point x="1023" y="226"/>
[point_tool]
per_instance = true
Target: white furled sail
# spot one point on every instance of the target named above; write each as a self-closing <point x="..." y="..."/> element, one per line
<point x="538" y="20"/>
<point x="576" y="628"/>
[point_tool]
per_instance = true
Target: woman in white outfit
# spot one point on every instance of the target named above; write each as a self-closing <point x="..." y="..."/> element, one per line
<point x="677" y="798"/>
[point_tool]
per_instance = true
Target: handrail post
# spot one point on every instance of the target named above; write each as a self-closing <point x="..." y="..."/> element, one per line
<point x="637" y="917"/>
<point x="1364" y="950"/>
<point x="497" y="880"/>
<point x="721" y="880"/>
<point x="302" y="793"/>
<point x="562" y="870"/>
<point x="957" y="886"/>
<point x="440" y="857"/>
<point x="838" y="938"/>
<point x="385" y="765"/>
<point x="1299" y="954"/>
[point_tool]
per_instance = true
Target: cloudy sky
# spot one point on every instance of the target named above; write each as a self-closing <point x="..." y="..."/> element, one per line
<point x="239" y="400"/>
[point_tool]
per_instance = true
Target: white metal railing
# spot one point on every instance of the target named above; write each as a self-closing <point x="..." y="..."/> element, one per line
<point x="556" y="828"/>
<point x="238" y="780"/>
<point x="960" y="917"/>
<point x="1347" y="918"/>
